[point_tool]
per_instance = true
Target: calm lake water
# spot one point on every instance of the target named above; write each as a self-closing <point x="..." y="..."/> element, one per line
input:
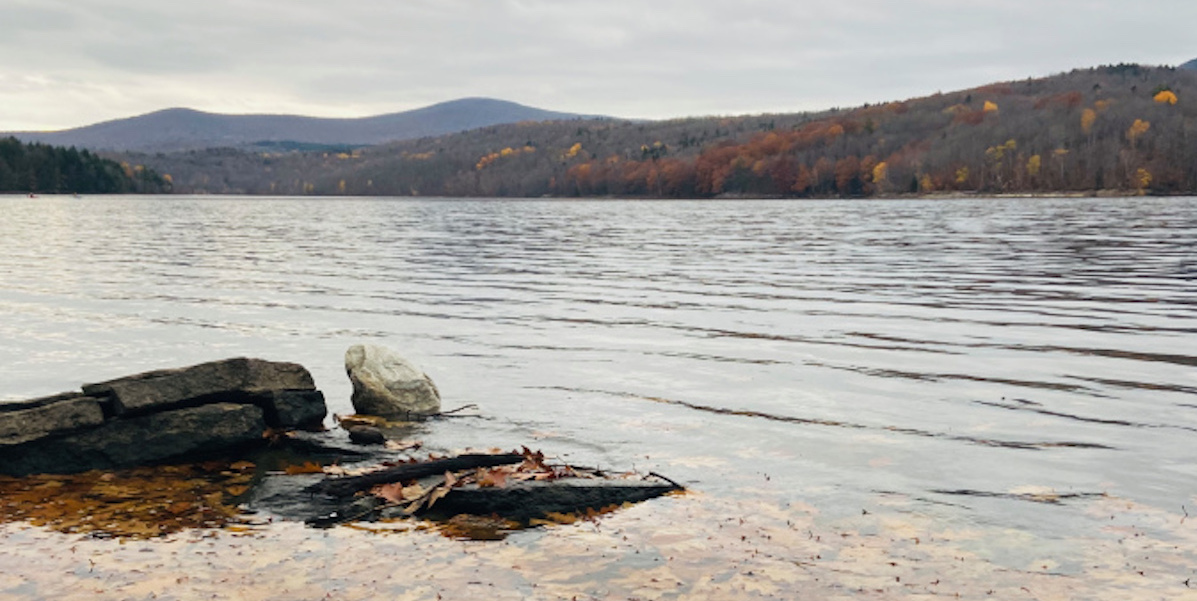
<point x="990" y="365"/>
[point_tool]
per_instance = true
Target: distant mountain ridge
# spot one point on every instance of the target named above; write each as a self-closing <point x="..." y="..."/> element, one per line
<point x="1191" y="65"/>
<point x="179" y="129"/>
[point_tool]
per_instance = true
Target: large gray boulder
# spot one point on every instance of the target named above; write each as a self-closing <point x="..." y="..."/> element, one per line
<point x="387" y="385"/>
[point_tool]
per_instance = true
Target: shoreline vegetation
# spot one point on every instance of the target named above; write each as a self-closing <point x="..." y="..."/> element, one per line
<point x="43" y="169"/>
<point x="1130" y="128"/>
<point x="1110" y="131"/>
<point x="944" y="196"/>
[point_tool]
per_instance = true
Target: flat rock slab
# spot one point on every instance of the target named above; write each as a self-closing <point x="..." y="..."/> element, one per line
<point x="49" y="416"/>
<point x="187" y="434"/>
<point x="163" y="389"/>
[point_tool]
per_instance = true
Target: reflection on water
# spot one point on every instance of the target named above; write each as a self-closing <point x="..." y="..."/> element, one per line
<point x="952" y="353"/>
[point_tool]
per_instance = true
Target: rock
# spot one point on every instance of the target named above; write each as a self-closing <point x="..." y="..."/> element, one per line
<point x="191" y="434"/>
<point x="386" y="385"/>
<point x="199" y="384"/>
<point x="291" y="409"/>
<point x="39" y="418"/>
<point x="215" y="408"/>
<point x="526" y="500"/>
<point x="366" y="435"/>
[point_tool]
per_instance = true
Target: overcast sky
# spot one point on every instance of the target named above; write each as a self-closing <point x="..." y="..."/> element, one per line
<point x="68" y="63"/>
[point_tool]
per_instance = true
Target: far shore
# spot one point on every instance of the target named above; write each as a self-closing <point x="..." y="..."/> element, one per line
<point x="946" y="195"/>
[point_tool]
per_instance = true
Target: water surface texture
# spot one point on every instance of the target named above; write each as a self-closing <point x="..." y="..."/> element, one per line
<point x="1003" y="364"/>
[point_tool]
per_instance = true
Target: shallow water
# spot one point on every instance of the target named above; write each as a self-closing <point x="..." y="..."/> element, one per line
<point x="1000" y="366"/>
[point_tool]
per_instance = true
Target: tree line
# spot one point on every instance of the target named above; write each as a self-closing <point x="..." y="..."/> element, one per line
<point x="40" y="168"/>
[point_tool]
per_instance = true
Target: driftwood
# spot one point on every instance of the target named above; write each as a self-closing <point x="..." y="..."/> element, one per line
<point x="349" y="485"/>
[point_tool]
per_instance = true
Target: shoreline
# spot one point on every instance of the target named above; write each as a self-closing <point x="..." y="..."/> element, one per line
<point x="953" y="195"/>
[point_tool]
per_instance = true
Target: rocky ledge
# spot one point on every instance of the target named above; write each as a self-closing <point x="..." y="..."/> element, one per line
<point x="211" y="409"/>
<point x="235" y="410"/>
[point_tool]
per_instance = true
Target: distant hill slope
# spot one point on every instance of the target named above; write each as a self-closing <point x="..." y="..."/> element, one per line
<point x="1110" y="129"/>
<point x="185" y="129"/>
<point x="1191" y="65"/>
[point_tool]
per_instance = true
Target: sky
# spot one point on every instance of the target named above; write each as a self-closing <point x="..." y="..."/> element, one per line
<point x="68" y="63"/>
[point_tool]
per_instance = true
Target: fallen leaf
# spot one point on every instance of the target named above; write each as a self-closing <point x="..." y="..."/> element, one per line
<point x="392" y="493"/>
<point x="403" y="445"/>
<point x="308" y="467"/>
<point x="492" y="478"/>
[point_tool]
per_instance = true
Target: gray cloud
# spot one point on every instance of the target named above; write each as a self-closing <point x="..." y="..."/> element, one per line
<point x="88" y="60"/>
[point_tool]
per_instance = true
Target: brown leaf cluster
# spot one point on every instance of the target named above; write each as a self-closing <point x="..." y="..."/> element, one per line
<point x="139" y="503"/>
<point x="413" y="496"/>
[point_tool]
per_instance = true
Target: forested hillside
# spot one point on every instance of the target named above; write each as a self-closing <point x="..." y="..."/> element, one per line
<point x="1126" y="128"/>
<point x="52" y="169"/>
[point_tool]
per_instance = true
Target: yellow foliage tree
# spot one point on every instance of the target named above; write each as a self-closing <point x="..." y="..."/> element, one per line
<point x="962" y="175"/>
<point x="1088" y="118"/>
<point x="926" y="184"/>
<point x="880" y="173"/>
<point x="1143" y="179"/>
<point x="1166" y="97"/>
<point x="990" y="107"/>
<point x="1137" y="129"/>
<point x="573" y="150"/>
<point x="1034" y="164"/>
<point x="997" y="153"/>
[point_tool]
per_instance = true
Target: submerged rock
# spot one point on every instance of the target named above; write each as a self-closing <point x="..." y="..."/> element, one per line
<point x="387" y="385"/>
<point x="517" y="487"/>
<point x="523" y="501"/>
<point x="366" y="435"/>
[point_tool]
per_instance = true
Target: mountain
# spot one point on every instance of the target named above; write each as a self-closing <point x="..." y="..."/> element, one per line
<point x="1125" y="129"/>
<point x="1191" y="65"/>
<point x="185" y="129"/>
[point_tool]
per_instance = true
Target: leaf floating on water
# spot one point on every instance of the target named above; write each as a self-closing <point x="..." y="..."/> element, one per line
<point x="473" y="527"/>
<point x="402" y="445"/>
<point x="139" y="503"/>
<point x="308" y="467"/>
<point x="237" y="491"/>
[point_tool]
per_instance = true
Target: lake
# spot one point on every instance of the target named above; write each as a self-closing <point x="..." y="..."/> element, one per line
<point x="895" y="397"/>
